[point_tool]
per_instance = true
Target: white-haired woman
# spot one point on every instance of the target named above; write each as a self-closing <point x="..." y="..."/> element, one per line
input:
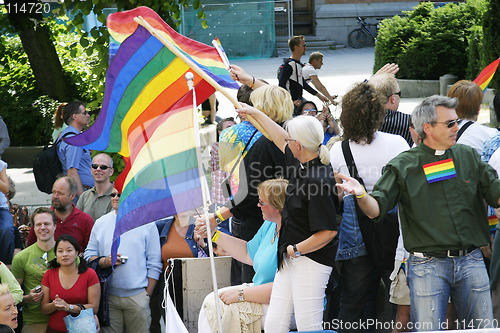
<point x="306" y="250"/>
<point x="8" y="309"/>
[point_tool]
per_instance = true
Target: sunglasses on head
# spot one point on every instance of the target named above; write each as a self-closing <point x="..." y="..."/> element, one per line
<point x="115" y="195"/>
<point x="102" y="166"/>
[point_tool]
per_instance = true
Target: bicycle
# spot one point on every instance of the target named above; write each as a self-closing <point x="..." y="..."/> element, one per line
<point x="359" y="37"/>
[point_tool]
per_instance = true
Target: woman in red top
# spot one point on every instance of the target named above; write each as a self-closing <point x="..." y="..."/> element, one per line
<point x="67" y="285"/>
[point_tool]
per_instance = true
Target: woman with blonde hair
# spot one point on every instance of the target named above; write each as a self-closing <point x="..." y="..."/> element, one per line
<point x="260" y="160"/>
<point x="249" y="300"/>
<point x="306" y="250"/>
<point x="8" y="308"/>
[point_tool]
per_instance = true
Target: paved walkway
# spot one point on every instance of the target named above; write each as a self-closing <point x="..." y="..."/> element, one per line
<point x="342" y="68"/>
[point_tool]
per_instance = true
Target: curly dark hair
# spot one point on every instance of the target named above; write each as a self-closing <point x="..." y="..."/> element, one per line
<point x="362" y="113"/>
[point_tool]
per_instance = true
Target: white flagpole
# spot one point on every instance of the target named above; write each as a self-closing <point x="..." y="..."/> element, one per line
<point x="206" y="195"/>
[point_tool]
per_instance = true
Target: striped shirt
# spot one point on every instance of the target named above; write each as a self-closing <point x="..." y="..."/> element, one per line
<point x="398" y="123"/>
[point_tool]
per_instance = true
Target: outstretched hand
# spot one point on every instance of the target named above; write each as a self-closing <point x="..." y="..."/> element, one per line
<point x="350" y="185"/>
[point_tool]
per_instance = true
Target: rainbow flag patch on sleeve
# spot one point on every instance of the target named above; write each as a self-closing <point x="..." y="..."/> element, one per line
<point x="439" y="171"/>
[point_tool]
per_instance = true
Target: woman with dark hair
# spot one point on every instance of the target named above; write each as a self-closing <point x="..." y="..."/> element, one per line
<point x="362" y="115"/>
<point x="69" y="286"/>
<point x="330" y="126"/>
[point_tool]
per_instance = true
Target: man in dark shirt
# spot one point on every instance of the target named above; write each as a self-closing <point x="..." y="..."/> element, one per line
<point x="395" y="122"/>
<point x="440" y="188"/>
<point x="291" y="74"/>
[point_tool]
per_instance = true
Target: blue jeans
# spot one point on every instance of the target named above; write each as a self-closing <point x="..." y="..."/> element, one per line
<point x="7" y="236"/>
<point x="433" y="280"/>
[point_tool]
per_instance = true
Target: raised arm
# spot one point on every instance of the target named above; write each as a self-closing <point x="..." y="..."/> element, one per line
<point x="276" y="132"/>
<point x="238" y="74"/>
<point x="366" y="202"/>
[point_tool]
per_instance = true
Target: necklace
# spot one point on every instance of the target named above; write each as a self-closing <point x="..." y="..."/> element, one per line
<point x="275" y="235"/>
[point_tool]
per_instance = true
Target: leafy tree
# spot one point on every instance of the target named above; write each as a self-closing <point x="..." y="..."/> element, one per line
<point x="44" y="61"/>
<point x="430" y="42"/>
<point x="491" y="36"/>
<point x="97" y="39"/>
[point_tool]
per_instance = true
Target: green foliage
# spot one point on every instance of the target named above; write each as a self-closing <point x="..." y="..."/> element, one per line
<point x="169" y="11"/>
<point x="474" y="52"/>
<point x="27" y="114"/>
<point x="429" y="42"/>
<point x="491" y="36"/>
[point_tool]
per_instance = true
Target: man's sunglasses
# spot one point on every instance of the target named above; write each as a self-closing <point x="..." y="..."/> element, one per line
<point x="449" y="123"/>
<point x="115" y="195"/>
<point x="102" y="166"/>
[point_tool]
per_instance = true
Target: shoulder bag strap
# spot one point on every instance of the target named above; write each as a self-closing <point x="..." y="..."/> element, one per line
<point x="239" y="157"/>
<point x="462" y="130"/>
<point x="351" y="166"/>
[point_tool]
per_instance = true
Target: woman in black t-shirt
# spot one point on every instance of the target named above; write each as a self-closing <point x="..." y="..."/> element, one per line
<point x="306" y="251"/>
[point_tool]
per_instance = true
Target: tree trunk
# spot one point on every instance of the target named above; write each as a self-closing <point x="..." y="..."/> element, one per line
<point x="44" y="61"/>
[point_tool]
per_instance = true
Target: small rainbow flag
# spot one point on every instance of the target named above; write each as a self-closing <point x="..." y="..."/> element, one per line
<point x="484" y="78"/>
<point x="493" y="221"/>
<point x="440" y="170"/>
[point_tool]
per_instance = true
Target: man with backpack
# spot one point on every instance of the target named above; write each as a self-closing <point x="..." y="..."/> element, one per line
<point x="76" y="161"/>
<point x="291" y="77"/>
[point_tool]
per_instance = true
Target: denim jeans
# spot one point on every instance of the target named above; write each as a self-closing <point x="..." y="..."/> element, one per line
<point x="433" y="280"/>
<point x="7" y="236"/>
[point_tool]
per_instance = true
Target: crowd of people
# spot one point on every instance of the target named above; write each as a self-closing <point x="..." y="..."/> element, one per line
<point x="299" y="198"/>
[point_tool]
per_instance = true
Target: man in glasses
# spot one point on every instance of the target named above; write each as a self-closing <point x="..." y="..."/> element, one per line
<point x="291" y="77"/>
<point x="96" y="201"/>
<point x="76" y="161"/>
<point x="395" y="122"/>
<point x="30" y="265"/>
<point x="440" y="188"/>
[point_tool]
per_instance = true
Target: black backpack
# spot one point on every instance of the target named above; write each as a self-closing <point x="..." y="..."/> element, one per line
<point x="280" y="69"/>
<point x="47" y="166"/>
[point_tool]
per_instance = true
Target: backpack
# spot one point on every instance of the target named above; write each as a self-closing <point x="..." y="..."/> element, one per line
<point x="280" y="69"/>
<point x="47" y="166"/>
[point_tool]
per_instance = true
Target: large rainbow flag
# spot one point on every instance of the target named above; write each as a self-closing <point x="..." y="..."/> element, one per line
<point x="147" y="116"/>
<point x="145" y="79"/>
<point x="484" y="78"/>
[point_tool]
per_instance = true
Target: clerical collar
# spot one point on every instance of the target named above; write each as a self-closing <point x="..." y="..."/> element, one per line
<point x="436" y="152"/>
<point x="439" y="152"/>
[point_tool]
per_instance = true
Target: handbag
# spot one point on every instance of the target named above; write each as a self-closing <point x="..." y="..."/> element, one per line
<point x="226" y="182"/>
<point x="83" y="323"/>
<point x="381" y="238"/>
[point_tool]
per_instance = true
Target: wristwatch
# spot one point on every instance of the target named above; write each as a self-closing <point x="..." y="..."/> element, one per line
<point x="296" y="252"/>
<point x="241" y="296"/>
<point x="71" y="307"/>
<point x="218" y="220"/>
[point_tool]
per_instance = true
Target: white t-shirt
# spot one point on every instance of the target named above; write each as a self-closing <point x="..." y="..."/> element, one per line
<point x="369" y="158"/>
<point x="495" y="161"/>
<point x="307" y="71"/>
<point x="475" y="135"/>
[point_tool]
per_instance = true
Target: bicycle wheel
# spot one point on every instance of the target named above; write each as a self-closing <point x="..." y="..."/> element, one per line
<point x="357" y="38"/>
